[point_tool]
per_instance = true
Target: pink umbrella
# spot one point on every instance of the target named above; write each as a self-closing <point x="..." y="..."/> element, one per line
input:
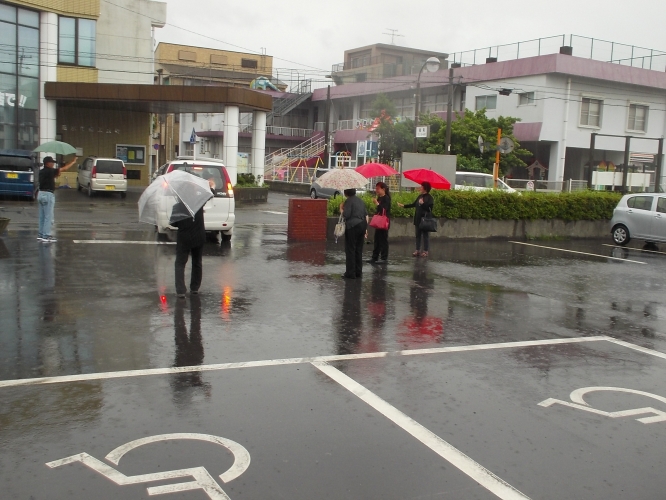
<point x="420" y="175"/>
<point x="371" y="170"/>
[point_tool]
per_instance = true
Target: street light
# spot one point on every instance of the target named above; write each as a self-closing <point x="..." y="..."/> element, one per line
<point x="432" y="64"/>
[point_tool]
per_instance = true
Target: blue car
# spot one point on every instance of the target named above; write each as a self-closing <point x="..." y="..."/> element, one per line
<point x="17" y="173"/>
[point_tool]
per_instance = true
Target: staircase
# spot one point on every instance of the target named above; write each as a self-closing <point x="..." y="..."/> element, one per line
<point x="283" y="106"/>
<point x="280" y="164"/>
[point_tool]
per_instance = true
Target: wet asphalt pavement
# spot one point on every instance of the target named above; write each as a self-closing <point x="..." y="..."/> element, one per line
<point x="421" y="380"/>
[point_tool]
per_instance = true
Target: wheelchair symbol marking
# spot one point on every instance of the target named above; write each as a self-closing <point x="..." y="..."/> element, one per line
<point x="202" y="479"/>
<point x="578" y="402"/>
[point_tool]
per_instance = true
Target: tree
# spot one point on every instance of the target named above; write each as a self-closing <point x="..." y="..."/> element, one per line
<point x="465" y="131"/>
<point x="394" y="137"/>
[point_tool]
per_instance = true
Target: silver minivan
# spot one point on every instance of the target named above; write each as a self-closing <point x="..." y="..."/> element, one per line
<point x="640" y="216"/>
<point x="102" y="174"/>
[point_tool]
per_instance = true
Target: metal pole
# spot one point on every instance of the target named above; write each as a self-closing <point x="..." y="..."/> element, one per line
<point x="593" y="139"/>
<point x="497" y="158"/>
<point x="625" y="170"/>
<point x="417" y="105"/>
<point x="660" y="164"/>
<point x="327" y="119"/>
<point x="449" y="113"/>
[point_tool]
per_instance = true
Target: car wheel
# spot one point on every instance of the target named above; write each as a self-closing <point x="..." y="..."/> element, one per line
<point x="90" y="191"/>
<point x="226" y="237"/>
<point x="313" y="194"/>
<point x="123" y="195"/>
<point x="621" y="235"/>
<point x="78" y="186"/>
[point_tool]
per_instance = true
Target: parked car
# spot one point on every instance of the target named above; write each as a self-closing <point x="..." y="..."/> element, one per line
<point x="640" y="216"/>
<point x="102" y="174"/>
<point x="476" y="181"/>
<point x="316" y="191"/>
<point x="17" y="173"/>
<point x="219" y="211"/>
<point x="160" y="171"/>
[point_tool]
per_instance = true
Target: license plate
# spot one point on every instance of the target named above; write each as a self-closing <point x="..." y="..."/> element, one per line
<point x="110" y="188"/>
<point x="12" y="176"/>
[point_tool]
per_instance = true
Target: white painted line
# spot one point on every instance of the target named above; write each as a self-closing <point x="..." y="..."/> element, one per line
<point x="273" y="212"/>
<point x="638" y="348"/>
<point x="123" y="242"/>
<point x="579" y="253"/>
<point x="289" y="361"/>
<point x="447" y="451"/>
<point x="634" y="249"/>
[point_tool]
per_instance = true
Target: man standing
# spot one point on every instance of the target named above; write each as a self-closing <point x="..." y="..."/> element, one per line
<point x="190" y="240"/>
<point x="46" y="197"/>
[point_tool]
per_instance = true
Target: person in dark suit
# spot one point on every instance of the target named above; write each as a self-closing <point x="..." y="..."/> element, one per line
<point x="383" y="202"/>
<point x="190" y="240"/>
<point x="423" y="205"/>
<point x="356" y="224"/>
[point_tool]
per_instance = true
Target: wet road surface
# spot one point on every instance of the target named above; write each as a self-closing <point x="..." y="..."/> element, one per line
<point x="421" y="380"/>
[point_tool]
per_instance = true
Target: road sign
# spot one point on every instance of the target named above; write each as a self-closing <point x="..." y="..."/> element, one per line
<point x="506" y="145"/>
<point x="529" y="186"/>
<point x="156" y="146"/>
<point x="193" y="137"/>
<point x="423" y="132"/>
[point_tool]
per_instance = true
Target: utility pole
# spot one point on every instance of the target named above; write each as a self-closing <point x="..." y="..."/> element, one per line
<point x="417" y="106"/>
<point x="327" y="119"/>
<point x="625" y="170"/>
<point x="590" y="172"/>
<point x="449" y="112"/>
<point x="497" y="158"/>
<point x="660" y="166"/>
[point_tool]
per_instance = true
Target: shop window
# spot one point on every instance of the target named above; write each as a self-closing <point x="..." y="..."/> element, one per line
<point x="77" y="41"/>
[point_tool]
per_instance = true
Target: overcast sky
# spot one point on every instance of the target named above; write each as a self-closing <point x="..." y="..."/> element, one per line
<point x="315" y="33"/>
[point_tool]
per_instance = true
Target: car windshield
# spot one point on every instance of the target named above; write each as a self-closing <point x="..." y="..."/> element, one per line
<point x="481" y="181"/>
<point x="109" y="166"/>
<point x="16" y="163"/>
<point x="213" y="172"/>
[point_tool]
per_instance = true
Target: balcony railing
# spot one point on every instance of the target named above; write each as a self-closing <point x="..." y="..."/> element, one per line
<point x="285" y="131"/>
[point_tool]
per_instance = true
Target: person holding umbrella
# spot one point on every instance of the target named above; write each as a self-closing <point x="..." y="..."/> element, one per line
<point x="423" y="205"/>
<point x="46" y="197"/>
<point x="356" y="224"/>
<point x="383" y="203"/>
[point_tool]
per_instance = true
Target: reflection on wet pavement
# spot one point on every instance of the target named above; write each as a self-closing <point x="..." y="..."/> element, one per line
<point x="71" y="308"/>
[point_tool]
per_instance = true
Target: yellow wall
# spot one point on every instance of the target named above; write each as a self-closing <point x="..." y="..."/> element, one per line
<point x="167" y="53"/>
<point x="133" y="128"/>
<point x="76" y="74"/>
<point x="78" y="8"/>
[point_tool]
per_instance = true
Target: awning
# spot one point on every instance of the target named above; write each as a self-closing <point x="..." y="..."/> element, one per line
<point x="157" y="98"/>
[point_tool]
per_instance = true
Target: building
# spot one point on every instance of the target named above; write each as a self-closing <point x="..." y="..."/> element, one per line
<point x="85" y="41"/>
<point x="563" y="90"/>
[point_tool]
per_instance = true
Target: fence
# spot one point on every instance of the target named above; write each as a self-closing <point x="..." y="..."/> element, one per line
<point x="594" y="48"/>
<point x="546" y="186"/>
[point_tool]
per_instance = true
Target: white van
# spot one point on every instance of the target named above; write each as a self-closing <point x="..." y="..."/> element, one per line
<point x="219" y="211"/>
<point x="102" y="174"/>
<point x="476" y="181"/>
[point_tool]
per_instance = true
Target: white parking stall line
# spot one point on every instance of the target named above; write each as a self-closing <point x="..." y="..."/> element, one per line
<point x="638" y="348"/>
<point x="634" y="249"/>
<point x="578" y="253"/>
<point x="122" y="242"/>
<point x="444" y="449"/>
<point x="288" y="361"/>
<point x="273" y="212"/>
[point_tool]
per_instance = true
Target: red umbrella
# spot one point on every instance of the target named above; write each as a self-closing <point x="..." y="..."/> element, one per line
<point x="371" y="170"/>
<point x="420" y="175"/>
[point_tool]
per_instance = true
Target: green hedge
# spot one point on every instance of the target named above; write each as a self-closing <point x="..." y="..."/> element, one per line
<point x="498" y="205"/>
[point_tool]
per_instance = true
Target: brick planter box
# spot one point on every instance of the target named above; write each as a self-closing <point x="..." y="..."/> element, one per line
<point x="307" y="219"/>
<point x="249" y="195"/>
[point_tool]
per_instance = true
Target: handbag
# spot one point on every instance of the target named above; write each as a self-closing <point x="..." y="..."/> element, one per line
<point x="339" y="228"/>
<point x="428" y="223"/>
<point x="380" y="221"/>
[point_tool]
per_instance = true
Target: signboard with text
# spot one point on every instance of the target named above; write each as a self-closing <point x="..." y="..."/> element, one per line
<point x="131" y="154"/>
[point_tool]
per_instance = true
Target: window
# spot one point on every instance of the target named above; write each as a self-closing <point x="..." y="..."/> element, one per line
<point x="218" y="59"/>
<point x="249" y="63"/>
<point x="637" y="117"/>
<point x="661" y="205"/>
<point x="640" y="202"/>
<point x="525" y="98"/>
<point x="486" y="101"/>
<point x="361" y="77"/>
<point x="590" y="112"/>
<point x="77" y="41"/>
<point x="187" y="55"/>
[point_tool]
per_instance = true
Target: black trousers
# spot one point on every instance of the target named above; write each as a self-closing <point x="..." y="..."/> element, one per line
<point x="182" y="256"/>
<point x="354" y="239"/>
<point x="426" y="239"/>
<point x="381" y="245"/>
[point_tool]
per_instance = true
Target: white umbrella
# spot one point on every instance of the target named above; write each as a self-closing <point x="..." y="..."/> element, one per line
<point x="186" y="193"/>
<point x="341" y="179"/>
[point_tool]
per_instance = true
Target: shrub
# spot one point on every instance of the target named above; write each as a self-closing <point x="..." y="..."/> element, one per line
<point x="246" y="180"/>
<point x="499" y="205"/>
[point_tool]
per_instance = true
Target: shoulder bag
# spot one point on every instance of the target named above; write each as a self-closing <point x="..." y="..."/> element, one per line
<point x="428" y="223"/>
<point x="380" y="221"/>
<point x="339" y="228"/>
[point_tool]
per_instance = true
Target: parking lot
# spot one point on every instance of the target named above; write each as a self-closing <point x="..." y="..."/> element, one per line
<point x="493" y="369"/>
